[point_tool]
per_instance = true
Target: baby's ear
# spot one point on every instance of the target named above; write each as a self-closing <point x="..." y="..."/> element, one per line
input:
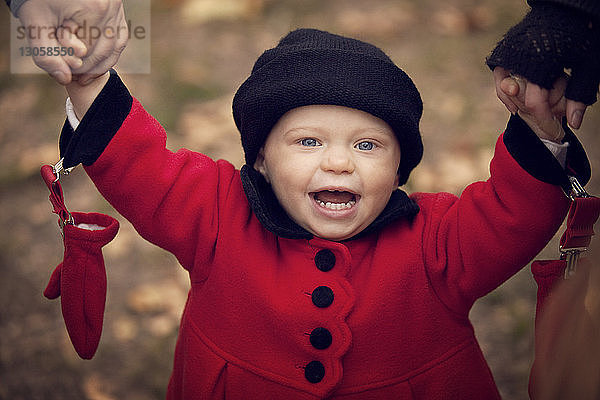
<point x="259" y="164"/>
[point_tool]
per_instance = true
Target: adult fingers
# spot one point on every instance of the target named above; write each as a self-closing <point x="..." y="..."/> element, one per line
<point x="72" y="49"/>
<point x="106" y="47"/>
<point x="98" y="63"/>
<point x="584" y="81"/>
<point x="515" y="88"/>
<point x="582" y="89"/>
<point x="42" y="37"/>
<point x="68" y="38"/>
<point x="575" y="112"/>
<point x="56" y="66"/>
<point x="510" y="87"/>
<point x="500" y="75"/>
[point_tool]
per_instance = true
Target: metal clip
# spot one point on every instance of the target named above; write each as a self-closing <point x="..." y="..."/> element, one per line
<point x="62" y="224"/>
<point x="58" y="168"/>
<point x="571" y="256"/>
<point x="577" y="190"/>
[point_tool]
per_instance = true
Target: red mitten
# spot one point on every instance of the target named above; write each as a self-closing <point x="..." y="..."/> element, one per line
<point x="566" y="333"/>
<point x="80" y="280"/>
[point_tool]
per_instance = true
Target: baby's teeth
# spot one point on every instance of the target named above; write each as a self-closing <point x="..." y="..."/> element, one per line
<point x="337" y="206"/>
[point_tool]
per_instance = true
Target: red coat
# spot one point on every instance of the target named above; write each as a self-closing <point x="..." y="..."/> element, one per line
<point x="383" y="316"/>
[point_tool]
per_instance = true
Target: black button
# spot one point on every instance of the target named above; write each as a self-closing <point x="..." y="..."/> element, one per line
<point x="314" y="372"/>
<point x="320" y="338"/>
<point x="325" y="260"/>
<point x="322" y="296"/>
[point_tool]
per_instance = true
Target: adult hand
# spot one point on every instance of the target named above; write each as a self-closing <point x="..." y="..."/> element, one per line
<point x="95" y="29"/>
<point x="540" y="103"/>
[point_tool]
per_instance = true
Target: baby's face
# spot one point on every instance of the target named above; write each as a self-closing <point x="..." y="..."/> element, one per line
<point x="332" y="168"/>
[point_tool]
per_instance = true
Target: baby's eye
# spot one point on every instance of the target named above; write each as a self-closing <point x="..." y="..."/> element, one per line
<point x="365" y="146"/>
<point x="309" y="142"/>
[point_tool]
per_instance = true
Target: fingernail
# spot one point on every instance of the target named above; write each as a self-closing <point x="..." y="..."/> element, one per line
<point x="81" y="51"/>
<point x="576" y="118"/>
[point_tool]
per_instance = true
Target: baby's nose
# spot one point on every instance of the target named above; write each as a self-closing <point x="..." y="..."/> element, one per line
<point x="337" y="161"/>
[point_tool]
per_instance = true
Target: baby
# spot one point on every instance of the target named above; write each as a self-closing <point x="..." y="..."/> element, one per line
<point x="312" y="274"/>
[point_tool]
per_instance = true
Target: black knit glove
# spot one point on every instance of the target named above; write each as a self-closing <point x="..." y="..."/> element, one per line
<point x="589" y="7"/>
<point x="549" y="39"/>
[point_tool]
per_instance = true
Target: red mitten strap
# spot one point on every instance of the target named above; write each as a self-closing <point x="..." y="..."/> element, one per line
<point x="80" y="280"/>
<point x="583" y="214"/>
<point x="56" y="194"/>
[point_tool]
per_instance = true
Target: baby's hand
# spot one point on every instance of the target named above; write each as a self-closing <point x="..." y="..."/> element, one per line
<point x="545" y="125"/>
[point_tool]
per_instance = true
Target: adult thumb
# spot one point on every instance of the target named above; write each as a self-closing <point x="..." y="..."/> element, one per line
<point x="584" y="81"/>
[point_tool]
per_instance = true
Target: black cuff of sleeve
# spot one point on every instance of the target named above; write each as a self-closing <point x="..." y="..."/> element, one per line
<point x="535" y="158"/>
<point x="98" y="126"/>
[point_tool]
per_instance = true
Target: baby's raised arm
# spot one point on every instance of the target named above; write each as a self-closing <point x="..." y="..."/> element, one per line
<point x="82" y="96"/>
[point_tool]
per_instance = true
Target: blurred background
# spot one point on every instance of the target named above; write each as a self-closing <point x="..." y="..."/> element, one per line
<point x="201" y="51"/>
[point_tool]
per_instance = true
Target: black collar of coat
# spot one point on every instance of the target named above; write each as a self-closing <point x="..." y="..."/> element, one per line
<point x="272" y="216"/>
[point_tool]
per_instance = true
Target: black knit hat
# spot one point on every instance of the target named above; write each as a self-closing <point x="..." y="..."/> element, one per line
<point x="309" y="67"/>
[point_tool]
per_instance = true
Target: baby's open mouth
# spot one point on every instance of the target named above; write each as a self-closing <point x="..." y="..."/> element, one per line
<point x="335" y="199"/>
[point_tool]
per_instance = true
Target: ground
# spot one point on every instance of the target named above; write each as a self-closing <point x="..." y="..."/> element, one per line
<point x="201" y="51"/>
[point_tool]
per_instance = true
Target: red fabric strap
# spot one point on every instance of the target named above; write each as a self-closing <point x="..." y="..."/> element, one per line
<point x="583" y="214"/>
<point x="56" y="194"/>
